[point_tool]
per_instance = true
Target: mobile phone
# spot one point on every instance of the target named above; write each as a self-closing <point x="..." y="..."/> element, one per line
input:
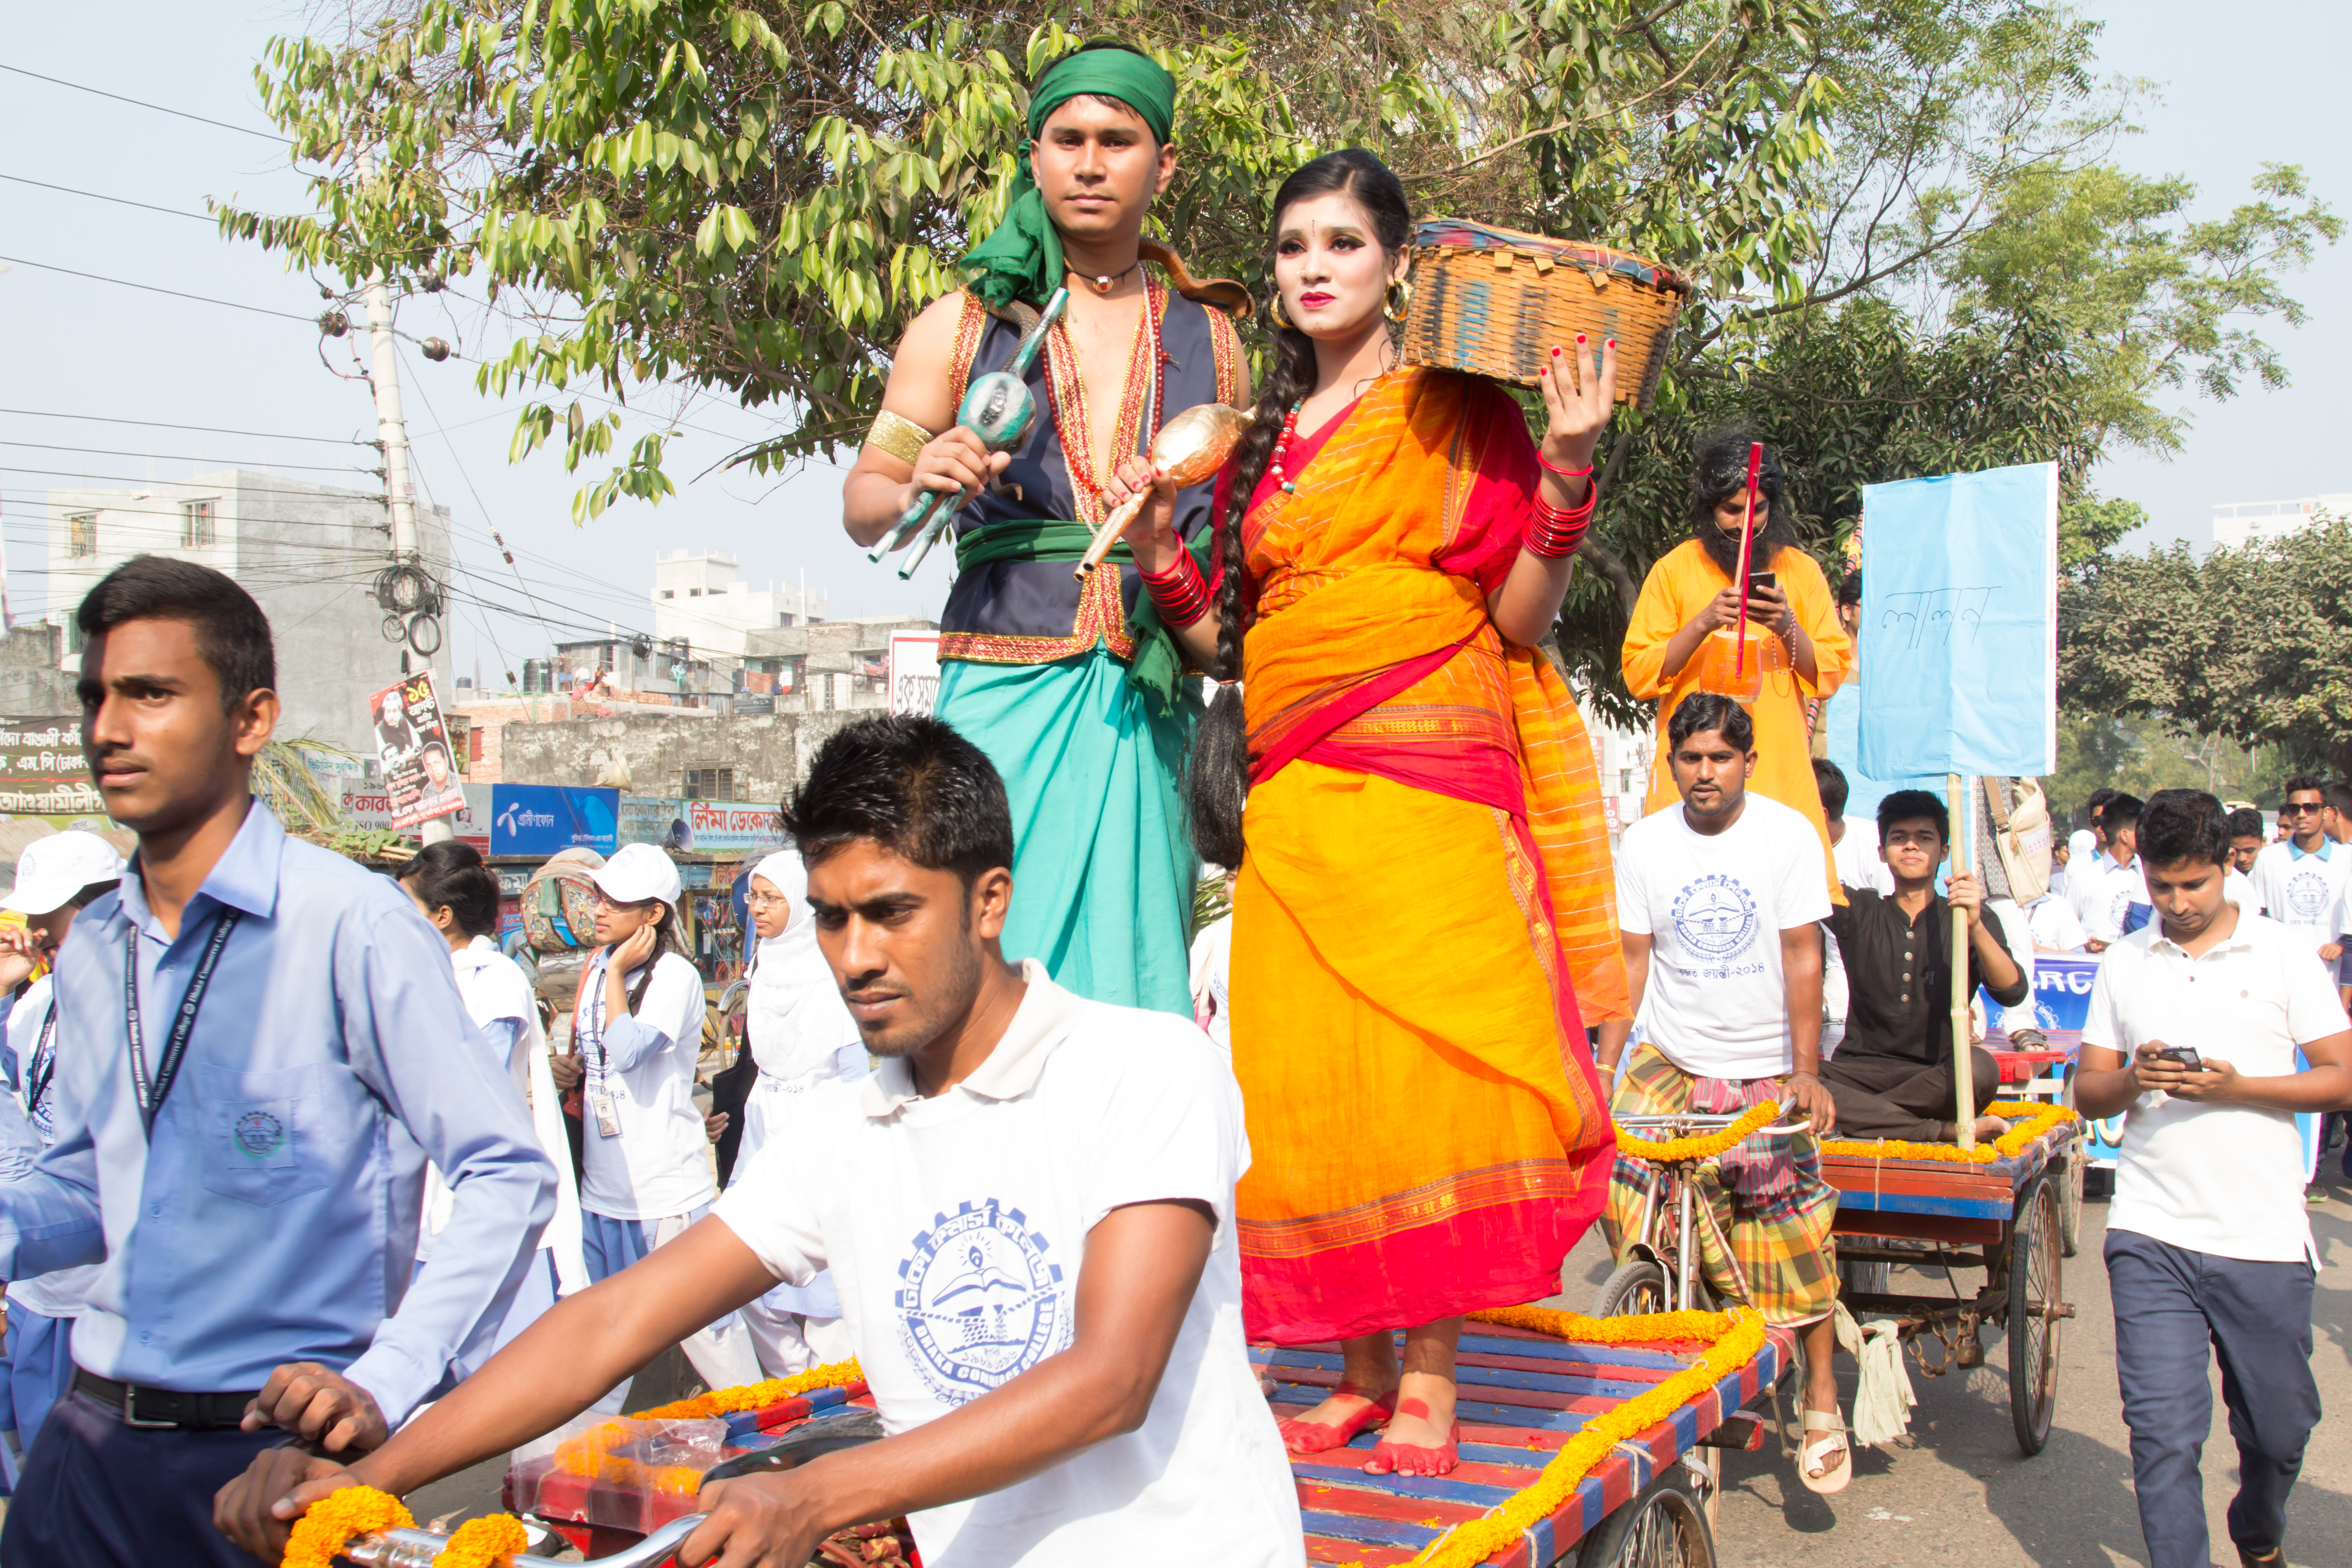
<point x="1764" y="580"/>
<point x="2181" y="1056"/>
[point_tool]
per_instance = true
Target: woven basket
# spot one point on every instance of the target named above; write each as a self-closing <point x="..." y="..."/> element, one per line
<point x="1494" y="301"/>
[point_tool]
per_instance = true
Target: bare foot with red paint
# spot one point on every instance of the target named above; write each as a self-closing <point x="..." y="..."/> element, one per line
<point x="1423" y="1438"/>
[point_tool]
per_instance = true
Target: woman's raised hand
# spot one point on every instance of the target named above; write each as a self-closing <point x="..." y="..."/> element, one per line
<point x="1578" y="401"/>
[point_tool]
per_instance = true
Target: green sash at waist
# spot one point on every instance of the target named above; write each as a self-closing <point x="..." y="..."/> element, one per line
<point x="1158" y="665"/>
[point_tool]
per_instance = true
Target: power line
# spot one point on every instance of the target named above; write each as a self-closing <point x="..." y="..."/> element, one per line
<point x="93" y="195"/>
<point x="208" y="429"/>
<point x="142" y="103"/>
<point x="150" y="288"/>
<point x="183" y="457"/>
<point x="322" y="492"/>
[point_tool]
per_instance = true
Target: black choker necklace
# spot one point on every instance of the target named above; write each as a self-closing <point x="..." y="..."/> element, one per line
<point x="1103" y="283"/>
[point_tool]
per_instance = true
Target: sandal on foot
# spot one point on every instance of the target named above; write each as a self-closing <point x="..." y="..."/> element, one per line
<point x="1416" y="1459"/>
<point x="1816" y="1454"/>
<point x="1300" y="1436"/>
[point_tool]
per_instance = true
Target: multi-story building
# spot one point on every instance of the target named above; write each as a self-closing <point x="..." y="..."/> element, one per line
<point x="2239" y="523"/>
<point x="703" y="601"/>
<point x="822" y="669"/>
<point x="309" y="553"/>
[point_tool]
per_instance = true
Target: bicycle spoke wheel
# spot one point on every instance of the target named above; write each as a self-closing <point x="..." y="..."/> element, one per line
<point x="2036" y="1289"/>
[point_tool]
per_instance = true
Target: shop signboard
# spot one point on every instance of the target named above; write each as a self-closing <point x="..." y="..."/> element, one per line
<point x="726" y="827"/>
<point x="547" y="819"/>
<point x="43" y="773"/>
<point x="657" y="820"/>
<point x="914" y="671"/>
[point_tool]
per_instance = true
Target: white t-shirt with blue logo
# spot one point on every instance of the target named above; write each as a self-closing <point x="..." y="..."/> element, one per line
<point x="1714" y="908"/>
<point x="2300" y="892"/>
<point x="956" y="1227"/>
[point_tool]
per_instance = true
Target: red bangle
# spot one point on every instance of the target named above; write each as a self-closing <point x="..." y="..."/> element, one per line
<point x="1583" y="473"/>
<point x="1555" y="533"/>
<point x="1181" y="593"/>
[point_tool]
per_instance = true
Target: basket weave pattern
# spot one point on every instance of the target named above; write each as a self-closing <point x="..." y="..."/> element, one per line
<point x="1494" y="301"/>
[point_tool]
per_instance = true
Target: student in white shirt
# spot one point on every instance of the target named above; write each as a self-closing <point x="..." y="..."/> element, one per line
<point x="645" y="1169"/>
<point x="800" y="1035"/>
<point x="2086" y="869"/>
<point x="1028" y="1212"/>
<point x="1719" y="900"/>
<point x="459" y="895"/>
<point x="2121" y="886"/>
<point x="1853" y="851"/>
<point x="2209" y="1241"/>
<point x="55" y="877"/>
<point x="2300" y="880"/>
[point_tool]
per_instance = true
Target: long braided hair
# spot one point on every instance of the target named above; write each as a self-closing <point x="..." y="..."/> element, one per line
<point x="1218" y="780"/>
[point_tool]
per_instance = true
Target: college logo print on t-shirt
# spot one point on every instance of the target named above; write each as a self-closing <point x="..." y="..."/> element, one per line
<point x="978" y="1302"/>
<point x="1715" y="921"/>
<point x="2308" y="894"/>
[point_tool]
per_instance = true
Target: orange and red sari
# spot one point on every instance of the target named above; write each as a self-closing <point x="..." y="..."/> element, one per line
<point x="1425" y="920"/>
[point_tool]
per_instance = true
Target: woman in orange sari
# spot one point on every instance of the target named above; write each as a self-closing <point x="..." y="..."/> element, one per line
<point x="1423" y="923"/>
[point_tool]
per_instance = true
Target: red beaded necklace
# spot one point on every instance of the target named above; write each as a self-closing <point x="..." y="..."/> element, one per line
<point x="1282" y="448"/>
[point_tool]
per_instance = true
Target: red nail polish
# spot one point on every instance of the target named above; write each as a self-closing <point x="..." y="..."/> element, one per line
<point x="1580" y="337"/>
<point x="1555" y="349"/>
<point x="1612" y="342"/>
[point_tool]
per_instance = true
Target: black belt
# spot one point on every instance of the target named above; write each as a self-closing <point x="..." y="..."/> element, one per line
<point x="165" y="1409"/>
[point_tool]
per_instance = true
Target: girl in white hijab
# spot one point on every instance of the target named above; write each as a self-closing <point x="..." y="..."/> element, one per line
<point x="800" y="1033"/>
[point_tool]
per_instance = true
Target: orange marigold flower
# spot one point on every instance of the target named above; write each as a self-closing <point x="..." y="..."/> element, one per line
<point x="329" y="1524"/>
<point x="490" y="1541"/>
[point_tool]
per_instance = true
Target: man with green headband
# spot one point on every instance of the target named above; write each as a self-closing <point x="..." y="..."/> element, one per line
<point x="1075" y="690"/>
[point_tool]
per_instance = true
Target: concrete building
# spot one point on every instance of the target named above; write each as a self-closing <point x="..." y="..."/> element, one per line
<point x="308" y="553"/>
<point x="643" y="671"/>
<point x="2239" y="523"/>
<point x="823" y="667"/>
<point x="690" y="756"/>
<point x="1622" y="758"/>
<point x="703" y="601"/>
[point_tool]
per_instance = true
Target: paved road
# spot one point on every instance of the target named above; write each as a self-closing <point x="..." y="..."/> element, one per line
<point x="1956" y="1491"/>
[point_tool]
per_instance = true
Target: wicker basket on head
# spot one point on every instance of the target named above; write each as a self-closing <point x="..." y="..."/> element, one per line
<point x="1494" y="301"/>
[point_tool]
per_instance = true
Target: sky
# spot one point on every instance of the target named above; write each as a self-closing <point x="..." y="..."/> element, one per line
<point x="105" y="355"/>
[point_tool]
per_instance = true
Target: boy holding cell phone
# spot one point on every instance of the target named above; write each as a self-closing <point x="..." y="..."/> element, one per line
<point x="2193" y="1029"/>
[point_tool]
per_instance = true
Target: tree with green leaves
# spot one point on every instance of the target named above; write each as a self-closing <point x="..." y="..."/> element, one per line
<point x="2255" y="643"/>
<point x="1913" y="253"/>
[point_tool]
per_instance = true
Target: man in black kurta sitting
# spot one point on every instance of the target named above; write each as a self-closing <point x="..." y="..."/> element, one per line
<point x="1892" y="1076"/>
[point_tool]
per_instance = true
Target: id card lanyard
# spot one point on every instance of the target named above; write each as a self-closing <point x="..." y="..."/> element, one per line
<point x="40" y="1070"/>
<point x="184" y="1024"/>
<point x="600" y="1092"/>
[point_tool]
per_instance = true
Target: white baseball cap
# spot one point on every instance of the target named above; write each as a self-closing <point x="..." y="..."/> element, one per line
<point x="635" y="872"/>
<point x="53" y="870"/>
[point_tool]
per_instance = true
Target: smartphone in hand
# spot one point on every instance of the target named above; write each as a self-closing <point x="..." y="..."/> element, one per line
<point x="1764" y="580"/>
<point x="2181" y="1056"/>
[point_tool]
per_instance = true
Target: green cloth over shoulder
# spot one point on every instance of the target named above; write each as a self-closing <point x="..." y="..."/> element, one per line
<point x="1157" y="671"/>
<point x="1023" y="258"/>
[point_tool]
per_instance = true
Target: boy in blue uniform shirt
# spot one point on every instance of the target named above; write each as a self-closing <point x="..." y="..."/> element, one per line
<point x="268" y="1047"/>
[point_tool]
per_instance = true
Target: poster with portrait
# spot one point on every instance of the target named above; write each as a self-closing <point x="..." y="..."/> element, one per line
<point x="412" y="742"/>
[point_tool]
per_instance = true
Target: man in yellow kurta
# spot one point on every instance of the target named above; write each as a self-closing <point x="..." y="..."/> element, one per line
<point x="1681" y="638"/>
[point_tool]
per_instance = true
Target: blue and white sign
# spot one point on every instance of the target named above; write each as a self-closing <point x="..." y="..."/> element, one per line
<point x="546" y="819"/>
<point x="980" y="1301"/>
<point x="1959" y="625"/>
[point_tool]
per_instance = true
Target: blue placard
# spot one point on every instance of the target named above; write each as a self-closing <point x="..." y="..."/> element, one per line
<point x="544" y="819"/>
<point x="1959" y="625"/>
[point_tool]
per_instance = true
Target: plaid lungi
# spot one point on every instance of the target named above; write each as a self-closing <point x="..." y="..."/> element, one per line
<point x="1766" y="1194"/>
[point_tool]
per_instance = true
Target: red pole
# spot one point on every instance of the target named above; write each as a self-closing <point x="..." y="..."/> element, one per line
<point x="1747" y="539"/>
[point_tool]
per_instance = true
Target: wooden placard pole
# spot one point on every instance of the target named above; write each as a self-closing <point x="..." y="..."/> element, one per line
<point x="1963" y="845"/>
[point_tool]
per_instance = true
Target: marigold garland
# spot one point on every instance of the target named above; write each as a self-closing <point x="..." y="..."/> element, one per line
<point x="329" y="1524"/>
<point x="2040" y="1117"/>
<point x="753" y="1396"/>
<point x="1697" y="1148"/>
<point x="491" y="1542"/>
<point x="1738" y="1335"/>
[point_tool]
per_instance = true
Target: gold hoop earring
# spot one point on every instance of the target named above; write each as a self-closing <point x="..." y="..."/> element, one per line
<point x="1275" y="310"/>
<point x="1397" y="300"/>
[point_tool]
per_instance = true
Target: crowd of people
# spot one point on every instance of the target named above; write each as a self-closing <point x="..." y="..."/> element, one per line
<point x="355" y="1220"/>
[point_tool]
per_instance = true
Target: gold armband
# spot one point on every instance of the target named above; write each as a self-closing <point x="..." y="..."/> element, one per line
<point x="899" y="436"/>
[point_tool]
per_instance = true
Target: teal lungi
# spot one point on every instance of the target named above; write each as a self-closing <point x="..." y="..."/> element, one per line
<point x="1103" y="868"/>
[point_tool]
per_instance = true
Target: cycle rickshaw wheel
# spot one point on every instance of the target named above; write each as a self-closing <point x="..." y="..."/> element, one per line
<point x="2036" y="1288"/>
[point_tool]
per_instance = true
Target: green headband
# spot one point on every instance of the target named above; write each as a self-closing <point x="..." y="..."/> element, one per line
<point x="1022" y="260"/>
